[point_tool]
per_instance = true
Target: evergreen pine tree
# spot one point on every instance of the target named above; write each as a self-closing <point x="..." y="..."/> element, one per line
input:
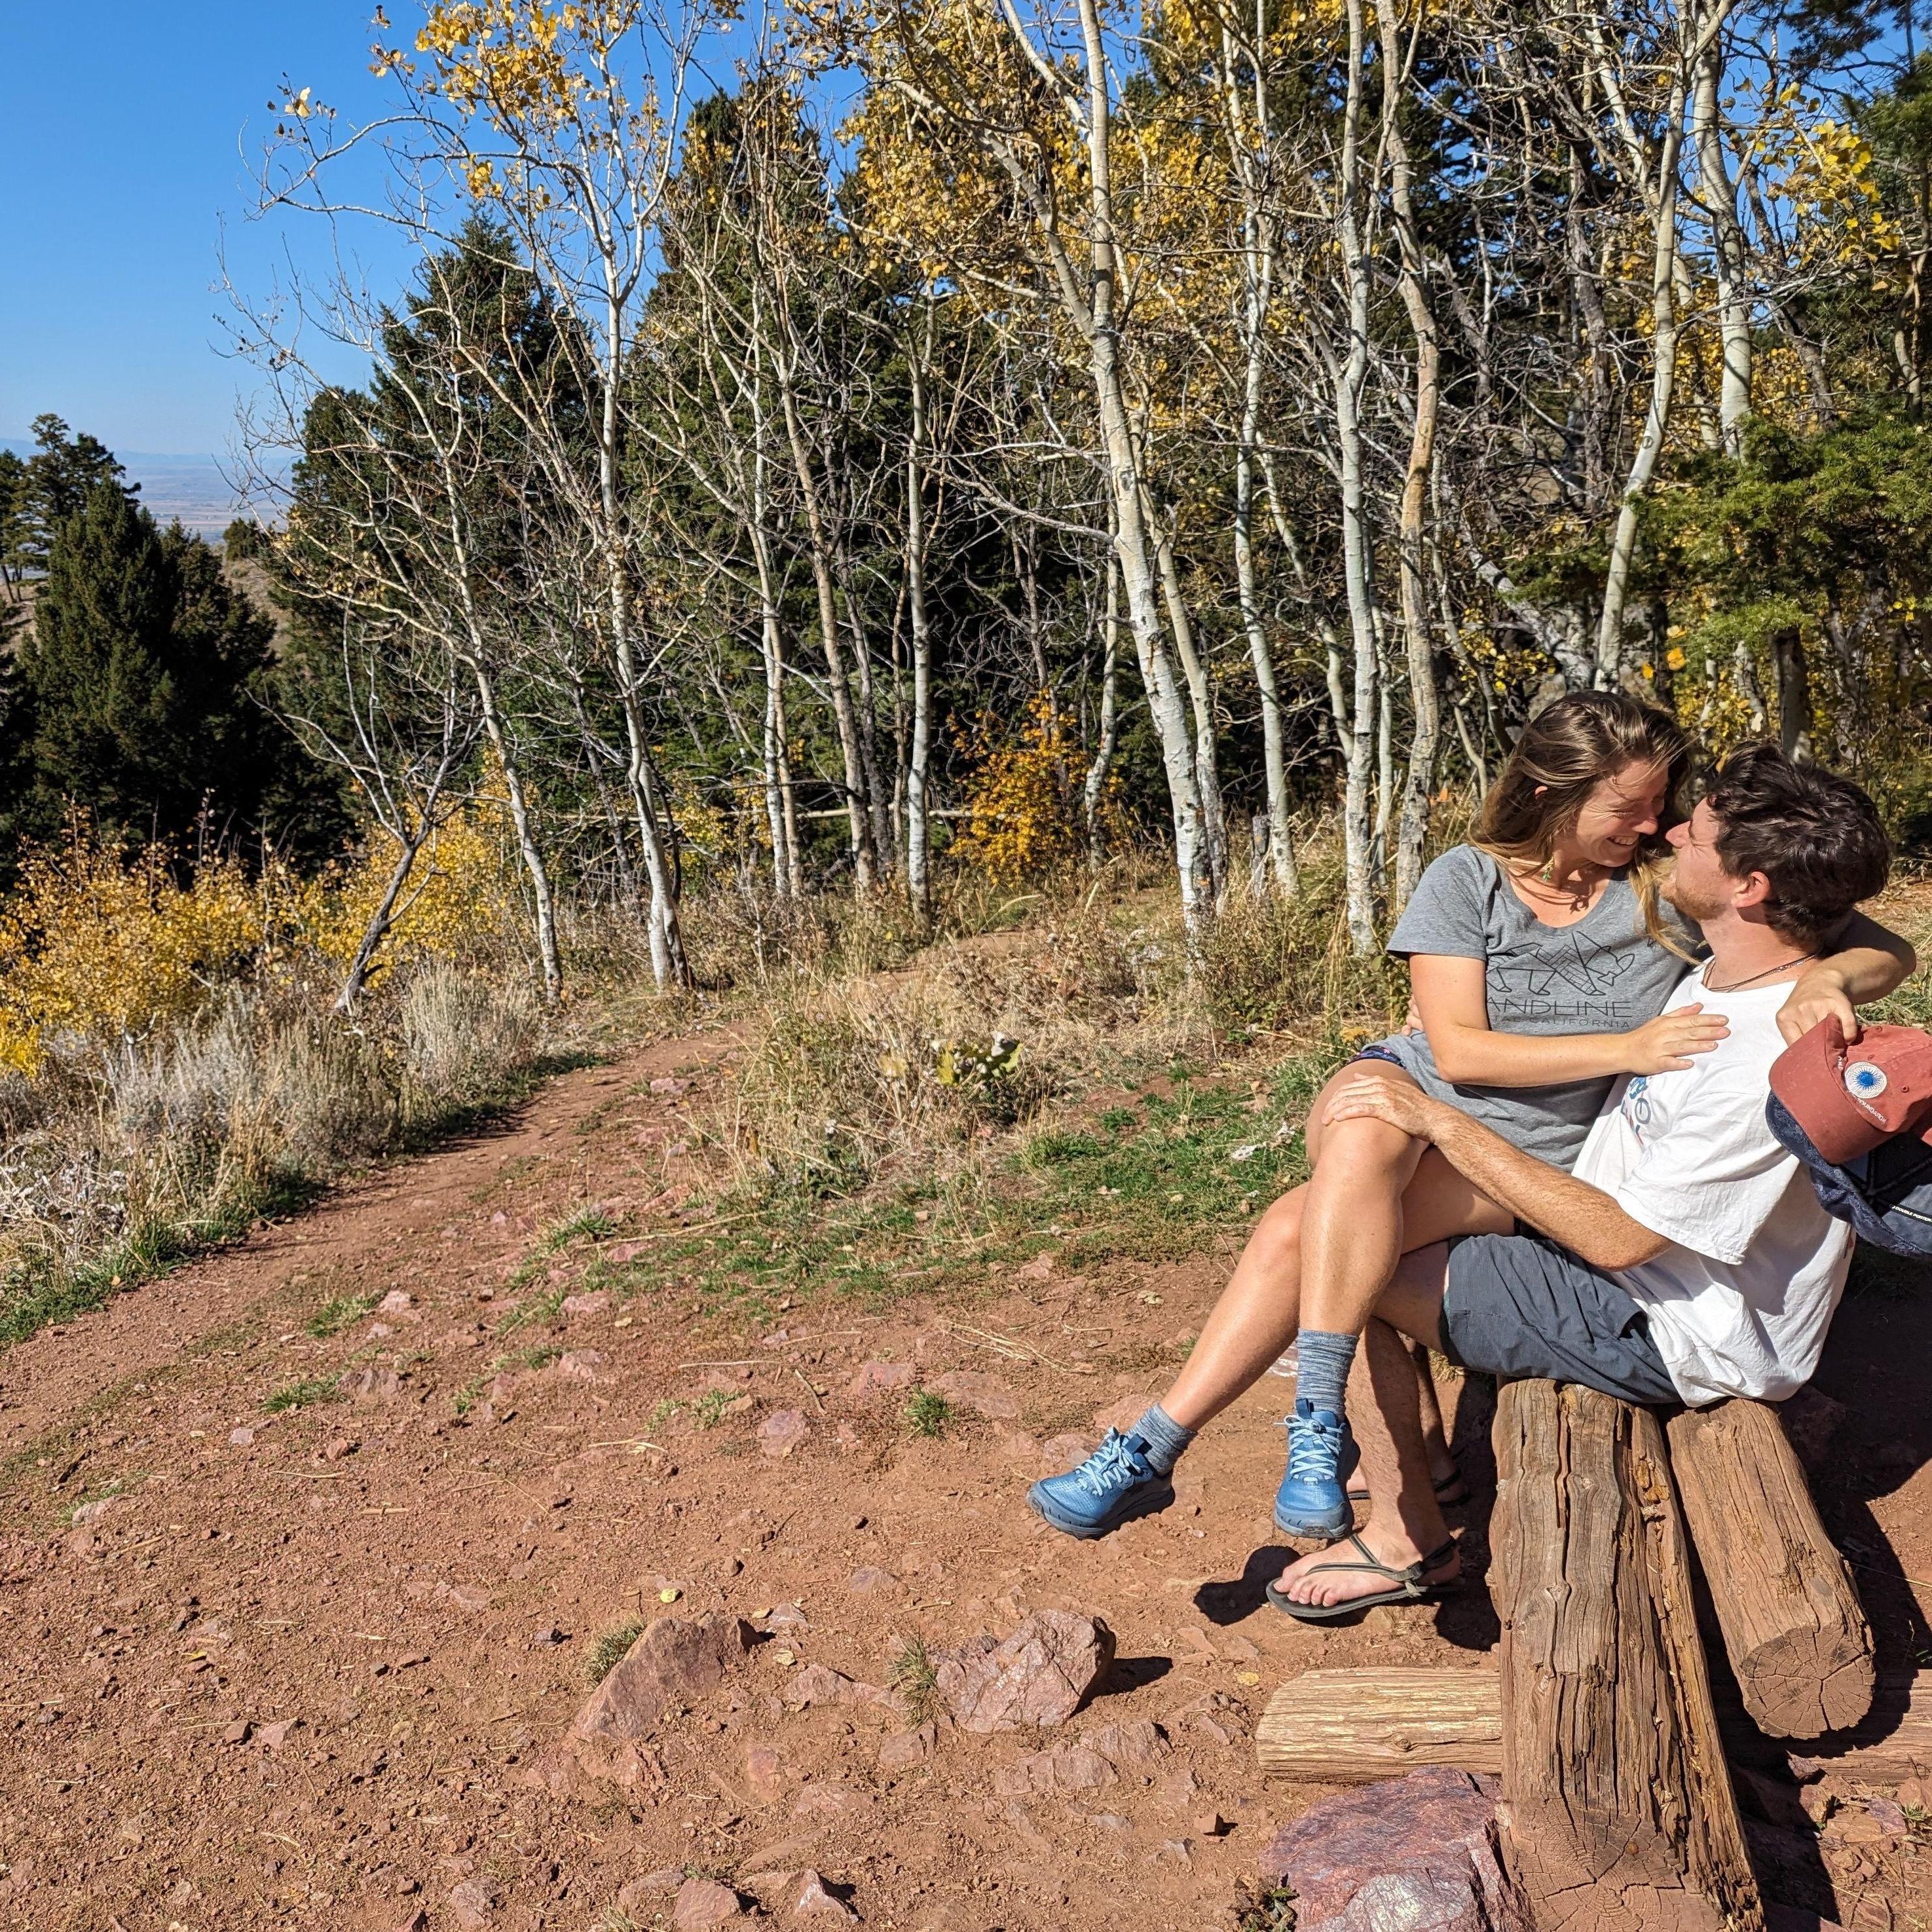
<point x="138" y="674"/>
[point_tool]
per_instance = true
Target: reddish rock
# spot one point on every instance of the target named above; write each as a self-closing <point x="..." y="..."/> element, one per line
<point x="370" y="1384"/>
<point x="474" y="1902"/>
<point x="238" y="1733"/>
<point x="342" y="1446"/>
<point x="1138" y="1741"/>
<point x="910" y="1748"/>
<point x="1121" y="1413"/>
<point x="581" y="1365"/>
<point x="272" y="1737"/>
<point x="820" y="1684"/>
<point x="869" y="1581"/>
<point x="875" y="1381"/>
<point x="826" y="1800"/>
<point x="782" y="1431"/>
<point x="764" y="1774"/>
<point x="1067" y="1451"/>
<point x="814" y="1901"/>
<point x="1422" y="1850"/>
<point x="398" y="1301"/>
<point x="596" y="1302"/>
<point x="658" y="1884"/>
<point x="984" y="1395"/>
<point x="674" y="1662"/>
<point x="241" y="1438"/>
<point x="702" y="1904"/>
<point x="1039" y="1677"/>
<point x="1072" y="1768"/>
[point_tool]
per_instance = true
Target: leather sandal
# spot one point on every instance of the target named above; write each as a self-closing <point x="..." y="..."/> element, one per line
<point x="1411" y="1585"/>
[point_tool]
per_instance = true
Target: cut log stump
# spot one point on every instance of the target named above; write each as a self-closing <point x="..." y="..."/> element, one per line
<point x="1621" y="1814"/>
<point x="1794" y="1629"/>
<point x="1893" y="1744"/>
<point x="1354" y="1727"/>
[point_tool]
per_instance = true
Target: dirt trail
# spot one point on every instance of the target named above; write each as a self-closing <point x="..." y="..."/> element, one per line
<point x="309" y="1668"/>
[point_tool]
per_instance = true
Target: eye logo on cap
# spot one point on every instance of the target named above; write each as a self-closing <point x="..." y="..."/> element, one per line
<point x="1864" y="1081"/>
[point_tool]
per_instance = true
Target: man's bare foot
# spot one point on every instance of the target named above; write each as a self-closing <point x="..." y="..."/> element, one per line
<point x="1320" y="1577"/>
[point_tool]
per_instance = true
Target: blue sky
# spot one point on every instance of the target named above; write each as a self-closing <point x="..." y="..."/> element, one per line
<point x="122" y="131"/>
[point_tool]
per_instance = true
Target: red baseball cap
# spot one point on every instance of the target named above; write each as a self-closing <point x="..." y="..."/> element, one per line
<point x="1850" y="1099"/>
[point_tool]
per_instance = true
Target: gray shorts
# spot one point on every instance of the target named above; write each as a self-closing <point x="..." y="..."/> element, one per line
<point x="1518" y="1305"/>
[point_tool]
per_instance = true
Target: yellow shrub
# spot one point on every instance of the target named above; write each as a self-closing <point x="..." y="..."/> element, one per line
<point x="460" y="895"/>
<point x="1025" y="800"/>
<point x="95" y="949"/>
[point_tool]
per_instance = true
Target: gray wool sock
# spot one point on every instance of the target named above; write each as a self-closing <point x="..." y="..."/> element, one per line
<point x="1323" y="1375"/>
<point x="1164" y="1437"/>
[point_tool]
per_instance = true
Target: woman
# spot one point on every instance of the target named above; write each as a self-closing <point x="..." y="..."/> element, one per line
<point x="1540" y="957"/>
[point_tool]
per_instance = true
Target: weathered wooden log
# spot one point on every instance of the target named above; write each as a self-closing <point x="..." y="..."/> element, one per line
<point x="1894" y="1743"/>
<point x="1354" y="1727"/>
<point x="1794" y="1629"/>
<point x="1621" y="1814"/>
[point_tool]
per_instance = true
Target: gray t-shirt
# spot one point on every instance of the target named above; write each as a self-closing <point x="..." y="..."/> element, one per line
<point x="1603" y="974"/>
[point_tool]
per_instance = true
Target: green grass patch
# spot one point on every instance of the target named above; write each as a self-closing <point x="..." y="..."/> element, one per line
<point x="927" y="1413"/>
<point x="708" y="1411"/>
<point x="303" y="1394"/>
<point x="40" y="1293"/>
<point x="607" y="1652"/>
<point x="332" y="1317"/>
<point x="1190" y="1160"/>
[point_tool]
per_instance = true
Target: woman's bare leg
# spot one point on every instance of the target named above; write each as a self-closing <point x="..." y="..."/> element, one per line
<point x="1351" y="1223"/>
<point x="1259" y="1312"/>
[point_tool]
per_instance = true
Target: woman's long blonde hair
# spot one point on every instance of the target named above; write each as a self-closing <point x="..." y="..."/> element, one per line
<point x="1566" y="750"/>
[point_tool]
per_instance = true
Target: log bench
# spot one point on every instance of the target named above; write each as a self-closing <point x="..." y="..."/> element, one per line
<point x="1599" y="1714"/>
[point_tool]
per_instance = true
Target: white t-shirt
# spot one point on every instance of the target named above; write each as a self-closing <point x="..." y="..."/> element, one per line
<point x="1740" y="1302"/>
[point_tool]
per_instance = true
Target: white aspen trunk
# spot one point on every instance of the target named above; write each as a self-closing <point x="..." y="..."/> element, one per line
<point x="669" y="966"/>
<point x="878" y="803"/>
<point x="1729" y="253"/>
<point x="1257" y="265"/>
<point x="1165" y="705"/>
<point x="1201" y="700"/>
<point x="373" y="934"/>
<point x="864" y="869"/>
<point x="918" y="848"/>
<point x="1109" y="737"/>
<point x="543" y="904"/>
<point x="1418" y="780"/>
<point x="1663" y="200"/>
<point x="781" y="801"/>
<point x="1357" y="836"/>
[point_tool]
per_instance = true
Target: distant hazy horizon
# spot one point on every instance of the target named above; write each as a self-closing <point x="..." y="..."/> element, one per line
<point x="175" y="485"/>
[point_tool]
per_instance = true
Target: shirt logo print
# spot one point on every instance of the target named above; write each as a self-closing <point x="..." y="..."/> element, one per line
<point x="1637" y="1109"/>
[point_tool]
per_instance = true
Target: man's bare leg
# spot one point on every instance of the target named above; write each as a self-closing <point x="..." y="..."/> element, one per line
<point x="1442" y="1466"/>
<point x="1405" y="1522"/>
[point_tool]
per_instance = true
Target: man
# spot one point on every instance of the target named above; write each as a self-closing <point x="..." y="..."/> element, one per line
<point x="1685" y="1258"/>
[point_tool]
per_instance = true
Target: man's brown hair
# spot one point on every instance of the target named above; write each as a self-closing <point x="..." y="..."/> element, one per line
<point x="1815" y="836"/>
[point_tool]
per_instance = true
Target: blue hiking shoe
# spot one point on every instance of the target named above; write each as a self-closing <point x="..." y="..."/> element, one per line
<point x="1321" y="1456"/>
<point x="1115" y="1484"/>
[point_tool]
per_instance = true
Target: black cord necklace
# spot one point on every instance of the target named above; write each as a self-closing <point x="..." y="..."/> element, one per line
<point x="1738" y="985"/>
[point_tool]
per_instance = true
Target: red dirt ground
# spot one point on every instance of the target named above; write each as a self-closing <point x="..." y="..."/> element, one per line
<point x="397" y="1604"/>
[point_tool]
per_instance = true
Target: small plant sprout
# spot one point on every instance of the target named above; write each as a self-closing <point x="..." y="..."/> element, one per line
<point x="914" y="1678"/>
<point x="709" y="1409"/>
<point x="332" y="1317"/>
<point x="303" y="1394"/>
<point x="927" y="1414"/>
